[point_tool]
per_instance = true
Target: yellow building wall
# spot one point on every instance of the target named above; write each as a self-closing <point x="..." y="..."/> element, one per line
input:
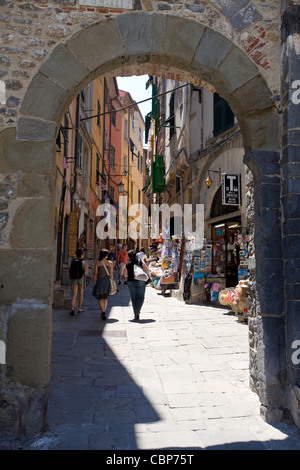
<point x="97" y="131"/>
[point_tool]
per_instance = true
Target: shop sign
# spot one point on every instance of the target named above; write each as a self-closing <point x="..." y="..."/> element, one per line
<point x="230" y="190"/>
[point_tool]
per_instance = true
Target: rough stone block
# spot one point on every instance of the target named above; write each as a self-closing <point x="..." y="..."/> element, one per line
<point x="63" y="68"/>
<point x="44" y="99"/>
<point x="158" y="25"/>
<point x="290" y="137"/>
<point x="290" y="154"/>
<point x="291" y="246"/>
<point x="253" y="95"/>
<point x="26" y="274"/>
<point x="271" y="360"/>
<point x="35" y="185"/>
<point x="236" y="59"/>
<point x="28" y="352"/>
<point x="260" y="131"/>
<point x="204" y="61"/>
<point x="262" y="163"/>
<point x="291" y="227"/>
<point x="35" y="129"/>
<point x="269" y="195"/>
<point x="291" y="270"/>
<point x="291" y="116"/>
<point x="33" y="224"/>
<point x="181" y="39"/>
<point x="291" y="206"/>
<point x="135" y="32"/>
<point x="291" y="185"/>
<point x="25" y="156"/>
<point x="292" y="291"/>
<point x="106" y="36"/>
<point x="246" y="17"/>
<point x="230" y="9"/>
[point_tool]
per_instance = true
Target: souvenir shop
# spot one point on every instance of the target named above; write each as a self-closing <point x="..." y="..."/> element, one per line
<point x="220" y="267"/>
<point x="210" y="270"/>
<point x="165" y="257"/>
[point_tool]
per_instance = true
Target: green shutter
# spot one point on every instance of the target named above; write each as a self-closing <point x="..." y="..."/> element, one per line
<point x="158" y="174"/>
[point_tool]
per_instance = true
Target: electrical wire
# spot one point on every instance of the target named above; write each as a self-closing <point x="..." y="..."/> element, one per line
<point x="135" y="103"/>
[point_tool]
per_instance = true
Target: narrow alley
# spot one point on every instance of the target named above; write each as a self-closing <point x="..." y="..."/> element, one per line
<point x="177" y="379"/>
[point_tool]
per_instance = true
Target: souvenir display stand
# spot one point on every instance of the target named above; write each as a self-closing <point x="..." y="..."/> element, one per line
<point x="165" y="269"/>
<point x="236" y="299"/>
<point x="205" y="284"/>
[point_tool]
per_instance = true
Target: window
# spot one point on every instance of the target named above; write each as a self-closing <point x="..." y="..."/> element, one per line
<point x="140" y="134"/>
<point x="111" y="192"/>
<point x="132" y="122"/>
<point x="125" y="168"/>
<point x="112" y="157"/>
<point x="98" y="174"/>
<point x="223" y="116"/>
<point x="113" y="117"/>
<point x="79" y="150"/>
<point x="125" y="128"/>
<point x="172" y="116"/>
<point x="105" y="140"/>
<point x="98" y="113"/>
<point x="141" y="165"/>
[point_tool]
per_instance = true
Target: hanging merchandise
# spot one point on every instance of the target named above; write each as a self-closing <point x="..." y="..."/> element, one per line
<point x="214" y="291"/>
<point x="237" y="299"/>
<point x="164" y="270"/>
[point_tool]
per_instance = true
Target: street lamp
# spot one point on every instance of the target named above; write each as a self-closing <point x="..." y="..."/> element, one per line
<point x="121" y="188"/>
<point x="208" y="180"/>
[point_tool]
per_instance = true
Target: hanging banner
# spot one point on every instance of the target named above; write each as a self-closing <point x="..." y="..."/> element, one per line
<point x="73" y="234"/>
<point x="230" y="190"/>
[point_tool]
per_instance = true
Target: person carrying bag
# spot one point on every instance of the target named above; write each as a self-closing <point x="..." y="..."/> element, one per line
<point x="137" y="276"/>
<point x="103" y="283"/>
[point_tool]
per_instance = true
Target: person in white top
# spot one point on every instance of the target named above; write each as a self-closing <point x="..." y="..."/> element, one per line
<point x="141" y="256"/>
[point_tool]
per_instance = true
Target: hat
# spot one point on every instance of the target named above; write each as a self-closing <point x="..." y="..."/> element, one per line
<point x="221" y="297"/>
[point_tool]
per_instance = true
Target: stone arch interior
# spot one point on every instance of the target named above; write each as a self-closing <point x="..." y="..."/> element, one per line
<point x="68" y="68"/>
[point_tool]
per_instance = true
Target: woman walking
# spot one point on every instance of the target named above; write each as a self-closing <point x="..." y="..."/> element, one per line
<point x="136" y="288"/>
<point x="78" y="271"/>
<point x="103" y="272"/>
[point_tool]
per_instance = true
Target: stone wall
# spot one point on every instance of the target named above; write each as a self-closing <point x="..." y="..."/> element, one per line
<point x="31" y="30"/>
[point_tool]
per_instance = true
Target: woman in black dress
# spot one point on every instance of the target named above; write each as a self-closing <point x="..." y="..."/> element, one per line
<point x="103" y="272"/>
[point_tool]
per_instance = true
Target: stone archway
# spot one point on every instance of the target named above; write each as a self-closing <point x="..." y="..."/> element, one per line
<point x="155" y="43"/>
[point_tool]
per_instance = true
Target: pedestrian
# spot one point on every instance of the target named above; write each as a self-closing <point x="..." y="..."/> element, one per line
<point x="78" y="271"/>
<point x="122" y="260"/>
<point x="111" y="254"/>
<point x="141" y="255"/>
<point x="103" y="272"/>
<point x="136" y="288"/>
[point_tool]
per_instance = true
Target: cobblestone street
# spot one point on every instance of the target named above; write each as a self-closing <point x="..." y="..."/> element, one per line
<point x="177" y="379"/>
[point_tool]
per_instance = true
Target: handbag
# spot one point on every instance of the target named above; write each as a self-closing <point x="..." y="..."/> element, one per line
<point x="139" y="274"/>
<point x="113" y="285"/>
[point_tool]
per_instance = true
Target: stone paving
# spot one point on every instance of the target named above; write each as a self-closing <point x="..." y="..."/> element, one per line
<point x="177" y="379"/>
